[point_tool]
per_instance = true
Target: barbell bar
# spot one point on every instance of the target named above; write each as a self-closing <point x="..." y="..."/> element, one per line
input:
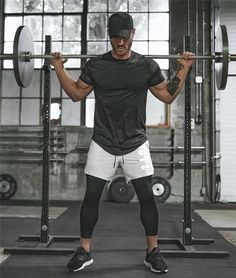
<point x="27" y="56"/>
<point x="23" y="56"/>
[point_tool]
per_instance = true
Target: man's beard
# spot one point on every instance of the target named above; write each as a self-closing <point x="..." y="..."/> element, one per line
<point x="125" y="50"/>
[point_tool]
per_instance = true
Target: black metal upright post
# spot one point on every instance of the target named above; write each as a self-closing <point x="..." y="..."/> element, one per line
<point x="83" y="61"/>
<point x="187" y="220"/>
<point x="44" y="231"/>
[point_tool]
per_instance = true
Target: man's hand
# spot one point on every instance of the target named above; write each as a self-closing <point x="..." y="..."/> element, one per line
<point x="57" y="61"/>
<point x="186" y="59"/>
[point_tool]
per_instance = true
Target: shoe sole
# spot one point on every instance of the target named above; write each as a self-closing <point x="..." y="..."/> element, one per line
<point x="82" y="267"/>
<point x="154" y="270"/>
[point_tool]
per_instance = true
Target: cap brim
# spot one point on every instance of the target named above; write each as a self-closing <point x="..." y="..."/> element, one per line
<point x="120" y="34"/>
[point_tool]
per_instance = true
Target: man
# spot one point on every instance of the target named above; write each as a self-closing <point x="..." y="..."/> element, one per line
<point x="120" y="80"/>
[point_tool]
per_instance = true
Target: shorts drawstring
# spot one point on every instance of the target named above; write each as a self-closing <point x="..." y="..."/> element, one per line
<point x="123" y="161"/>
<point x="114" y="162"/>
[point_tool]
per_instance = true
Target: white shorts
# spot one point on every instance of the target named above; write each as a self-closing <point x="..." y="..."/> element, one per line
<point x="102" y="164"/>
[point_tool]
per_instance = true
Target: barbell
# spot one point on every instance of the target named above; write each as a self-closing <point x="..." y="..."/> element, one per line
<point x="23" y="56"/>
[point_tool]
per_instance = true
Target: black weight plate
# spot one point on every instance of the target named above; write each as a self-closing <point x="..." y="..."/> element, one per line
<point x="161" y="189"/>
<point x="8" y="187"/>
<point x="222" y="66"/>
<point x="23" y="42"/>
<point x="120" y="191"/>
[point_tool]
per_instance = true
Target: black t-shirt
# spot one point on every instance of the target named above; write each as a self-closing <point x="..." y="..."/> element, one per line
<point x="120" y="88"/>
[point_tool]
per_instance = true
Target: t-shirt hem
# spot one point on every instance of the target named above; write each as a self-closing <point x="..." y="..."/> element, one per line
<point x="120" y="151"/>
<point x="85" y="81"/>
<point x="156" y="83"/>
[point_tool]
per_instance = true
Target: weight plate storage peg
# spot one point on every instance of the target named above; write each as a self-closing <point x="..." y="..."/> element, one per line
<point x="8" y="186"/>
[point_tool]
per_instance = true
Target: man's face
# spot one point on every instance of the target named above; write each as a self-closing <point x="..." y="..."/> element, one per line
<point x="121" y="46"/>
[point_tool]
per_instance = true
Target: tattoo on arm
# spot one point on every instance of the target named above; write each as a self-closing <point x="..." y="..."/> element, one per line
<point x="173" y="85"/>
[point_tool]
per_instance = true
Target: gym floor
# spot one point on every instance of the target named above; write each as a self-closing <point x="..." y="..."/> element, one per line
<point x="119" y="242"/>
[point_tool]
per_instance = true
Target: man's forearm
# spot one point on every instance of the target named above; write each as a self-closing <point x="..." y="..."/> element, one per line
<point x="175" y="85"/>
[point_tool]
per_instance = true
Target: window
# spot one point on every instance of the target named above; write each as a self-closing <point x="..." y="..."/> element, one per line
<point x="59" y="18"/>
<point x="63" y="20"/>
<point x="55" y="113"/>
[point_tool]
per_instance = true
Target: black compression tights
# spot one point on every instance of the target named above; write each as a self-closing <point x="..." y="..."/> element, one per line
<point x="90" y="206"/>
<point x="149" y="213"/>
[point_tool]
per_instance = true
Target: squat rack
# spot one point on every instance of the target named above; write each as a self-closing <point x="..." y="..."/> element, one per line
<point x="45" y="240"/>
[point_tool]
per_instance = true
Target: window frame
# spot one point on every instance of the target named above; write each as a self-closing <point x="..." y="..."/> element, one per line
<point x="84" y="42"/>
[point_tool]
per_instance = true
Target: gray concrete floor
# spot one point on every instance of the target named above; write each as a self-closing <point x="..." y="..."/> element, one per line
<point x="118" y="252"/>
<point x="26" y="212"/>
<point x="223" y="220"/>
<point x="29" y="211"/>
<point x="3" y="257"/>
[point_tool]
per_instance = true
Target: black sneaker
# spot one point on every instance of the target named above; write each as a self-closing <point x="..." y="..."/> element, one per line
<point x="80" y="260"/>
<point x="155" y="261"/>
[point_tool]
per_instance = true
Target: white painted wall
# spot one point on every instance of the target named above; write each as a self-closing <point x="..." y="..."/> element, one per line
<point x="228" y="142"/>
<point x="228" y="111"/>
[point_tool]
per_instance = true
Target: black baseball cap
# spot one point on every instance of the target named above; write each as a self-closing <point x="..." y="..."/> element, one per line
<point x="120" y="25"/>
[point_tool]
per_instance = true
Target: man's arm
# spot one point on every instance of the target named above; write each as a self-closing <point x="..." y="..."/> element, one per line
<point x="76" y="90"/>
<point x="168" y="91"/>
